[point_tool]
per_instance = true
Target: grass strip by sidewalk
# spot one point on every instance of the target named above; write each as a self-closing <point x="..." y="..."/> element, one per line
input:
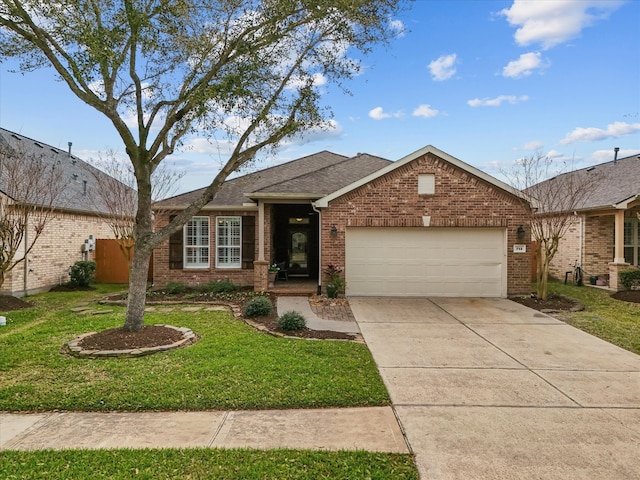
<point x="232" y="367"/>
<point x="205" y="464"/>
<point x="615" y="321"/>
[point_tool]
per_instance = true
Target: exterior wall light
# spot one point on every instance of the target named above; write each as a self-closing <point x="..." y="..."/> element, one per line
<point x="520" y="232"/>
<point x="334" y="231"/>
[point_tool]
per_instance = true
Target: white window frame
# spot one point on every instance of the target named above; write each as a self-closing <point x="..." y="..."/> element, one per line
<point x="228" y="243"/>
<point x="635" y="239"/>
<point x="197" y="248"/>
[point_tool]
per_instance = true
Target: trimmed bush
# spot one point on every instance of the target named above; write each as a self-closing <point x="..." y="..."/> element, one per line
<point x="82" y="273"/>
<point x="221" y="286"/>
<point x="175" y="288"/>
<point x="630" y="278"/>
<point x="292" y="321"/>
<point x="258" y="307"/>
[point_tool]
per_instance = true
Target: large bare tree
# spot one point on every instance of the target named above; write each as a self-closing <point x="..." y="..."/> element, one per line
<point x="249" y="71"/>
<point x="30" y="190"/>
<point x="556" y="194"/>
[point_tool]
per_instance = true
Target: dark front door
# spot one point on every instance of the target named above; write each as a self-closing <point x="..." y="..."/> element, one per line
<point x="299" y="250"/>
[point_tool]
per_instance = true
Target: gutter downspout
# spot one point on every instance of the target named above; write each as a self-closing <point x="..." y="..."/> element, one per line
<point x="25" y="283"/>
<point x="319" y="212"/>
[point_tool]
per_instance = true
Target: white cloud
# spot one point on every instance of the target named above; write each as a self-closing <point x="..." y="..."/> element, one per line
<point x="533" y="145"/>
<point x="496" y="102"/>
<point x="378" y="113"/>
<point x="443" y="68"/>
<point x="552" y="22"/>
<point x="425" y="111"/>
<point x="592" y="134"/>
<point x="398" y="27"/>
<point x="524" y="66"/>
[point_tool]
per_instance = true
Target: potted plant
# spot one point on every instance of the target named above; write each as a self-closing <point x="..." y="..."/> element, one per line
<point x="336" y="282"/>
<point x="273" y="273"/>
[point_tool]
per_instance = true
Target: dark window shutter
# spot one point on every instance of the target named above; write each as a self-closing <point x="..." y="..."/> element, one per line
<point x="176" y="249"/>
<point x="248" y="241"/>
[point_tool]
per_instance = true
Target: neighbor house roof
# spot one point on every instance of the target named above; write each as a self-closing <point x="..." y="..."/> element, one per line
<point x="617" y="183"/>
<point x="76" y="195"/>
<point x="364" y="179"/>
<point x="310" y="177"/>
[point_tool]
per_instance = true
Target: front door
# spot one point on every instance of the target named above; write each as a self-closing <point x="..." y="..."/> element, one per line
<point x="299" y="250"/>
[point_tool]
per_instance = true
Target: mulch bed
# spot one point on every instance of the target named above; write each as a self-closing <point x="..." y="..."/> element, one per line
<point x="122" y="339"/>
<point x="9" y="303"/>
<point x="628" y="296"/>
<point x="553" y="302"/>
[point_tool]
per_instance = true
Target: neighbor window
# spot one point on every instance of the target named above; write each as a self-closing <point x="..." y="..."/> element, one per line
<point x="631" y="240"/>
<point x="228" y="242"/>
<point x="196" y="243"/>
<point x="426" y="184"/>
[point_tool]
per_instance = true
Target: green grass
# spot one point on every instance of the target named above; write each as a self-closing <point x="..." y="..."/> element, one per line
<point x="612" y="320"/>
<point x="233" y="366"/>
<point x="204" y="464"/>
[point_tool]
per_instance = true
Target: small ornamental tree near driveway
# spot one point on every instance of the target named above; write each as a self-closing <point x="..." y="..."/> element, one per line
<point x="30" y="189"/>
<point x="247" y="71"/>
<point x="555" y="198"/>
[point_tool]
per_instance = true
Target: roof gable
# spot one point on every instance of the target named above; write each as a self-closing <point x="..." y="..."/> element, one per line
<point x="429" y="149"/>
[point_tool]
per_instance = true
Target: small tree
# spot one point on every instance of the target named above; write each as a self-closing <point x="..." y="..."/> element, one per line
<point x="556" y="195"/>
<point x="116" y="199"/>
<point x="30" y="189"/>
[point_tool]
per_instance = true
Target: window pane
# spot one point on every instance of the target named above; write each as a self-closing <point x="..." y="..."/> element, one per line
<point x="228" y="242"/>
<point x="628" y="232"/>
<point x="628" y="254"/>
<point x="196" y="242"/>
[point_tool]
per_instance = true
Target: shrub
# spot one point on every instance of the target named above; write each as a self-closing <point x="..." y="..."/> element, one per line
<point x="292" y="321"/>
<point x="82" y="273"/>
<point x="630" y="278"/>
<point x="221" y="286"/>
<point x="175" y="288"/>
<point x="258" y="307"/>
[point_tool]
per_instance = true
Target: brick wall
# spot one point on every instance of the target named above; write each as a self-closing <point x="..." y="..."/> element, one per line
<point x="56" y="250"/>
<point x="569" y="250"/>
<point x="245" y="277"/>
<point x="460" y="200"/>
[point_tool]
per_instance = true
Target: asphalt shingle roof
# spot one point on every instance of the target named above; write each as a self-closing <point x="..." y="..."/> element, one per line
<point x="75" y="196"/>
<point x="313" y="176"/>
<point x="616" y="182"/>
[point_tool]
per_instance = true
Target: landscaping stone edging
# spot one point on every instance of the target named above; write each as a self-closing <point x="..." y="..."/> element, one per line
<point x="74" y="349"/>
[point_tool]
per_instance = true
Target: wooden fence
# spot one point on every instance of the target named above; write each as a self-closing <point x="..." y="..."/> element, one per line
<point x="111" y="264"/>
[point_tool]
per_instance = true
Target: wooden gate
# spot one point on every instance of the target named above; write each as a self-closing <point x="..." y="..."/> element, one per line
<point x="111" y="264"/>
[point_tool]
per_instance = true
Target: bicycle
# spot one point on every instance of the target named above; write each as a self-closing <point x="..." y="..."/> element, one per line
<point x="578" y="274"/>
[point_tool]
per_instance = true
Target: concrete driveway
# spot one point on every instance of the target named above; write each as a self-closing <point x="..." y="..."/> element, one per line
<point x="489" y="389"/>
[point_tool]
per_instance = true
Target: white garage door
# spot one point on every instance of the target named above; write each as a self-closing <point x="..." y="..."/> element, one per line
<point x="460" y="262"/>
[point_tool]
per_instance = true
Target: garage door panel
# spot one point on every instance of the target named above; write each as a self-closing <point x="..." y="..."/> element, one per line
<point x="426" y="262"/>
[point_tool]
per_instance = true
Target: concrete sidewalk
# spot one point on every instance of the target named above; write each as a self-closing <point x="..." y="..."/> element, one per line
<point x="373" y="428"/>
<point x="301" y="305"/>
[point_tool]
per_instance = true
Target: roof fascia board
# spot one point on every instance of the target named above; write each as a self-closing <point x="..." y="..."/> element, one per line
<point x="213" y="208"/>
<point x="324" y="202"/>
<point x="624" y="204"/>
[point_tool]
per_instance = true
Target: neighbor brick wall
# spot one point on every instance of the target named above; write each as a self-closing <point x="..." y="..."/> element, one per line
<point x="598" y="244"/>
<point x="460" y="200"/>
<point x="569" y="250"/>
<point x="55" y="251"/>
<point x="245" y="277"/>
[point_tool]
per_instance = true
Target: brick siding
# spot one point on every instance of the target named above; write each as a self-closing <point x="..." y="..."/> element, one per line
<point x="460" y="200"/>
<point x="190" y="276"/>
<point x="55" y="251"/>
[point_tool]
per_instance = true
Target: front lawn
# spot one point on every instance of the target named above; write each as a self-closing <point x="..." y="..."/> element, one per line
<point x="233" y="366"/>
<point x="615" y="321"/>
<point x="205" y="464"/>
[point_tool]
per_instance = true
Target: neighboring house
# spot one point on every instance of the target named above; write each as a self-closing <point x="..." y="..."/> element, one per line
<point x="76" y="220"/>
<point x="428" y="224"/>
<point x="604" y="237"/>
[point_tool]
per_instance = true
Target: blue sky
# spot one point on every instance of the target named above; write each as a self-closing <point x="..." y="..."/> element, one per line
<point x="485" y="81"/>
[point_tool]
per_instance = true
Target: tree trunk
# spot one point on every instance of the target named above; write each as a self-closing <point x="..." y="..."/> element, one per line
<point x="134" y="320"/>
